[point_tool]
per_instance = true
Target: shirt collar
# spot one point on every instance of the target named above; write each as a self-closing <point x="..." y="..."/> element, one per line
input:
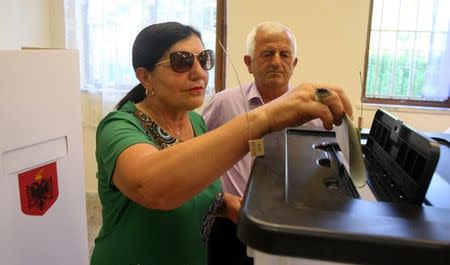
<point x="253" y="94"/>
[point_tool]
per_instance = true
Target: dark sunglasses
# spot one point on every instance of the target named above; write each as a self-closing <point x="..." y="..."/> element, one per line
<point x="182" y="61"/>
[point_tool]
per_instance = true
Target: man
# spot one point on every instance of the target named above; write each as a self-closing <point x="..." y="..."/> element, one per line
<point x="271" y="58"/>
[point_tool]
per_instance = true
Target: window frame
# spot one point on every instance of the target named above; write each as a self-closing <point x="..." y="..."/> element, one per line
<point x="221" y="35"/>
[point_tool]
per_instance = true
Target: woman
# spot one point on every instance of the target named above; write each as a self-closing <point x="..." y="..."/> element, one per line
<point x="157" y="176"/>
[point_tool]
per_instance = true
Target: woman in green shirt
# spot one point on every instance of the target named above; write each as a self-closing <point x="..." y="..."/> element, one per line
<point x="156" y="178"/>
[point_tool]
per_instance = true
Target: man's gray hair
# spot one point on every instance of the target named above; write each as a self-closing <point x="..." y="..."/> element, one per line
<point x="269" y="27"/>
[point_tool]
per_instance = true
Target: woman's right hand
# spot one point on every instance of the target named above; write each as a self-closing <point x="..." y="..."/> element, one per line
<point x="299" y="106"/>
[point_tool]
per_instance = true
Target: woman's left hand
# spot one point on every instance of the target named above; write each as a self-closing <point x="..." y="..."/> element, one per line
<point x="231" y="206"/>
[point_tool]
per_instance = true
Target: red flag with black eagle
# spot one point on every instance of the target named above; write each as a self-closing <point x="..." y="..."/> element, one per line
<point x="38" y="189"/>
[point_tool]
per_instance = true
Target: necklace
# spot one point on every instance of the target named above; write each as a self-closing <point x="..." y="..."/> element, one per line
<point x="162" y="138"/>
<point x="179" y="134"/>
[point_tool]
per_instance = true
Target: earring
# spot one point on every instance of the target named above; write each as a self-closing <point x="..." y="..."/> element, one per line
<point x="152" y="92"/>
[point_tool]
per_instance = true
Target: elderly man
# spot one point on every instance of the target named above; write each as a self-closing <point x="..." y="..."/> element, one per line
<point x="271" y="58"/>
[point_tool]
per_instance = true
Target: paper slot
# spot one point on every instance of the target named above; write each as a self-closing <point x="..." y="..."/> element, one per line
<point x="30" y="156"/>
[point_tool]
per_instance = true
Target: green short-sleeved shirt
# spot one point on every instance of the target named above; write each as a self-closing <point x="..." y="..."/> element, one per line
<point x="132" y="234"/>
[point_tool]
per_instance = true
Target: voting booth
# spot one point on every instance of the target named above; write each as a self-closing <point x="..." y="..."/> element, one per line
<point x="43" y="210"/>
<point x="300" y="206"/>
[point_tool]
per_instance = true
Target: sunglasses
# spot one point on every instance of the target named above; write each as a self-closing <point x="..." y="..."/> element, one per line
<point x="182" y="61"/>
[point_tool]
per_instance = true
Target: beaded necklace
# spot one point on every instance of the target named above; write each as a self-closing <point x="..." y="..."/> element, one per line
<point x="162" y="138"/>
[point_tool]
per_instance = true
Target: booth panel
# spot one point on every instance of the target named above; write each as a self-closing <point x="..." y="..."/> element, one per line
<point x="41" y="160"/>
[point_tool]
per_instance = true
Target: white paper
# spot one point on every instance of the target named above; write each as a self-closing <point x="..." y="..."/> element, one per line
<point x="348" y="139"/>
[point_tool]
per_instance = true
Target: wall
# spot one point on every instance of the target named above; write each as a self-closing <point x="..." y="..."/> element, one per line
<point x="92" y="107"/>
<point x="331" y="36"/>
<point x="31" y="23"/>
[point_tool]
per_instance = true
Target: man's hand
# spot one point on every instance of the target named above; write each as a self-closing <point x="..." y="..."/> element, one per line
<point x="300" y="105"/>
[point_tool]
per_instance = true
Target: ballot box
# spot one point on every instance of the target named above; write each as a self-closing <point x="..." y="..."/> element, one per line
<point x="300" y="206"/>
<point x="43" y="210"/>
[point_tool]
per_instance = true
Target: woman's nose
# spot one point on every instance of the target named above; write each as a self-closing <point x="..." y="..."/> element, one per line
<point x="197" y="69"/>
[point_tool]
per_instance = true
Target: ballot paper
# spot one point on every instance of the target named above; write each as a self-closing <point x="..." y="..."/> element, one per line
<point x="350" y="143"/>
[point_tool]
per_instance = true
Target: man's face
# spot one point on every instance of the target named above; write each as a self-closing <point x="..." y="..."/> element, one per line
<point x="273" y="61"/>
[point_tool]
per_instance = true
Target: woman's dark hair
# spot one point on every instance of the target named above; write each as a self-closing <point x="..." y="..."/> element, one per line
<point x="149" y="46"/>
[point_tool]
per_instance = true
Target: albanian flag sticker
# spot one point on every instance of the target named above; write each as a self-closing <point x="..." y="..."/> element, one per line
<point x="38" y="189"/>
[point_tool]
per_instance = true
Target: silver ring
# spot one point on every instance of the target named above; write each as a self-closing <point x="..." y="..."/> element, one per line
<point x="321" y="93"/>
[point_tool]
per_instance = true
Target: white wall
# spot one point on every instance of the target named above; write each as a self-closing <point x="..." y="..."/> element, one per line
<point x="31" y="23"/>
<point x="331" y="35"/>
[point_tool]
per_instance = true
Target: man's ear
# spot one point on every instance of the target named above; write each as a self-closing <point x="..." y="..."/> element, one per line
<point x="248" y="62"/>
<point x="143" y="76"/>
<point x="295" y="62"/>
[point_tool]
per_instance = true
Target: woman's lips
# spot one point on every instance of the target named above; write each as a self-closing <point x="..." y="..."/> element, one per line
<point x="196" y="90"/>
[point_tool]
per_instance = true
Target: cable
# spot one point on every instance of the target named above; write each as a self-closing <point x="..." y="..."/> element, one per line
<point x="256" y="146"/>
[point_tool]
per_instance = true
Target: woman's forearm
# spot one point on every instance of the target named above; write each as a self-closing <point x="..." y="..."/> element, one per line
<point x="179" y="172"/>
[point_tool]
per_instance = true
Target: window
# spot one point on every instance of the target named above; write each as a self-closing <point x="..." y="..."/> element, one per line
<point x="409" y="53"/>
<point x="104" y="32"/>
